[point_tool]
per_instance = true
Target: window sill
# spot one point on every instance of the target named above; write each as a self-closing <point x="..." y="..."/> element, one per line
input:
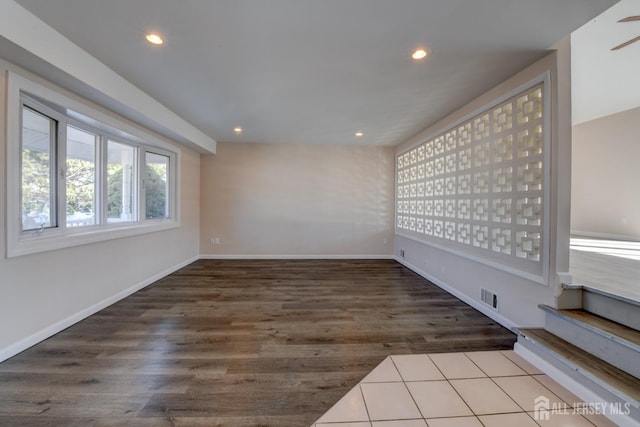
<point x="26" y="245"/>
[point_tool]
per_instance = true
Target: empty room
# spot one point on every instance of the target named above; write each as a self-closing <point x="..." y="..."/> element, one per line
<point x="363" y="213"/>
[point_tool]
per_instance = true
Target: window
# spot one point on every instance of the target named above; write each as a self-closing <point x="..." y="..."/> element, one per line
<point x="156" y="185"/>
<point x="81" y="179"/>
<point x="121" y="174"/>
<point x="37" y="170"/>
<point x="478" y="187"/>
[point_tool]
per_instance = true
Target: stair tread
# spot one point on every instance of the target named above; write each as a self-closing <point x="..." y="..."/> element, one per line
<point x="617" y="378"/>
<point x="599" y="323"/>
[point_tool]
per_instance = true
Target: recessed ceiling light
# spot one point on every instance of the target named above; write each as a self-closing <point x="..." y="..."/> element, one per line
<point x="237" y="130"/>
<point x="359" y="134"/>
<point x="419" y="54"/>
<point x="154" y="38"/>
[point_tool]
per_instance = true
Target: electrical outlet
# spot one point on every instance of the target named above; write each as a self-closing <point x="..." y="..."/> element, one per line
<point x="401" y="253"/>
<point x="215" y="241"/>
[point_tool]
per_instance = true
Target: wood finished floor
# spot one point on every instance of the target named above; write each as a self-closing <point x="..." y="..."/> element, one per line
<point x="237" y="343"/>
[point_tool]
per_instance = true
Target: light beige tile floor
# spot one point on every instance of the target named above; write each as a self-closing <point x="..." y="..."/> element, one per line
<point x="490" y="389"/>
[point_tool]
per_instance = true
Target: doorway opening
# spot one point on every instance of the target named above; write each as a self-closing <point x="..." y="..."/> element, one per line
<point x="605" y="201"/>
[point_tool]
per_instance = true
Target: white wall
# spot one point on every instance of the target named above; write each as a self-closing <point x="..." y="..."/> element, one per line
<point x="605" y="176"/>
<point x="299" y="200"/>
<point x="42" y="293"/>
<point x="518" y="296"/>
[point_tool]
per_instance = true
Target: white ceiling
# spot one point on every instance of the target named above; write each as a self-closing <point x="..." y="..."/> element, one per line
<point x="605" y="82"/>
<point x="315" y="71"/>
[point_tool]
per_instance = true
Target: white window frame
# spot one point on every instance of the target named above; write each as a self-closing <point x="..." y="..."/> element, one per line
<point x="77" y="113"/>
<point x="172" y="181"/>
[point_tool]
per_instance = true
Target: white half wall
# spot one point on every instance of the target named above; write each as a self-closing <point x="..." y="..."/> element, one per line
<point x="518" y="296"/>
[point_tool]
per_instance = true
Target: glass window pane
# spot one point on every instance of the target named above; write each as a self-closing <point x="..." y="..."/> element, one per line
<point x="156" y="185"/>
<point x="120" y="182"/>
<point x="37" y="171"/>
<point x="81" y="177"/>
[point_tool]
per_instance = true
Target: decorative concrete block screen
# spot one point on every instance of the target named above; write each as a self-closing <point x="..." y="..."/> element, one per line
<point x="478" y="187"/>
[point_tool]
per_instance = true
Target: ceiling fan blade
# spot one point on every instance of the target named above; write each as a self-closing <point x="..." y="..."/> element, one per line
<point x="630" y="19"/>
<point x="627" y="43"/>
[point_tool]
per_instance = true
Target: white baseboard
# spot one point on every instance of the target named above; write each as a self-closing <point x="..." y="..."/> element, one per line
<point x="310" y="256"/>
<point x="584" y="393"/>
<point x="39" y="336"/>
<point x="464" y="297"/>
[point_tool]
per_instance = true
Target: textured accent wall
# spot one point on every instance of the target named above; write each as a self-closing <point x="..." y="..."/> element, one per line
<point x="478" y="186"/>
<point x="280" y="199"/>
<point x="465" y="274"/>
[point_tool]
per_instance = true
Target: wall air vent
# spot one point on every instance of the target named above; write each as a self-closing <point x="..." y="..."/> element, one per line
<point x="489" y="298"/>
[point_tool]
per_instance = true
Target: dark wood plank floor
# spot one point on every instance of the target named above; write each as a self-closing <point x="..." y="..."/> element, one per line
<point x="237" y="343"/>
